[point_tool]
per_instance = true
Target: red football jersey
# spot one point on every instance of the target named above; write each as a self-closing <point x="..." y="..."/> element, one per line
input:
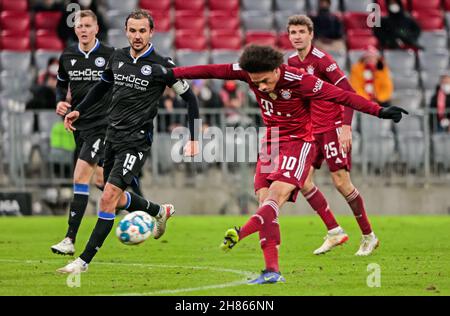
<point x="325" y="117"/>
<point x="287" y="107"/>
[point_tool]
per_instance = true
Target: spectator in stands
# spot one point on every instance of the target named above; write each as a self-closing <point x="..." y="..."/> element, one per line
<point x="233" y="100"/>
<point x="50" y="72"/>
<point x="440" y="103"/>
<point x="398" y="29"/>
<point x="328" y="29"/>
<point x="168" y="121"/>
<point x="208" y="99"/>
<point x="66" y="32"/>
<point x="371" y="78"/>
<point x="44" y="90"/>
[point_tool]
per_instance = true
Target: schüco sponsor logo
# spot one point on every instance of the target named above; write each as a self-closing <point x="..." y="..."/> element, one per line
<point x="318" y="85"/>
<point x="85" y="73"/>
<point x="131" y="79"/>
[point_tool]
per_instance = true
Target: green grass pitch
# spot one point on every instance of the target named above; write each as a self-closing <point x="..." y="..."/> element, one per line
<point x="414" y="259"/>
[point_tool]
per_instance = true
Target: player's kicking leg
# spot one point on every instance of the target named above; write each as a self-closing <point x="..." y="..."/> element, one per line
<point x="265" y="221"/>
<point x="82" y="176"/>
<point x="336" y="235"/>
<point x="342" y="182"/>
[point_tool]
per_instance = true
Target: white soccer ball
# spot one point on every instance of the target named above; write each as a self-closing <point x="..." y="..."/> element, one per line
<point x="135" y="228"/>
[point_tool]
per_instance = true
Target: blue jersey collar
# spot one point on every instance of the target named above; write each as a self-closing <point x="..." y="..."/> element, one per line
<point x="93" y="49"/>
<point x="147" y="52"/>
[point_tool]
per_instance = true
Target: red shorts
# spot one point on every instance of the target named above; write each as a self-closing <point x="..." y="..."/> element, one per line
<point x="290" y="165"/>
<point x="327" y="147"/>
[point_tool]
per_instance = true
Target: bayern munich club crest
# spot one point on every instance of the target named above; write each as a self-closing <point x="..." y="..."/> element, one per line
<point x="286" y="94"/>
<point x="310" y="69"/>
<point x="100" y="61"/>
<point x="146" y="70"/>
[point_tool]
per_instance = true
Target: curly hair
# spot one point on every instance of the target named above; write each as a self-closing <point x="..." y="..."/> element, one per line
<point x="257" y="58"/>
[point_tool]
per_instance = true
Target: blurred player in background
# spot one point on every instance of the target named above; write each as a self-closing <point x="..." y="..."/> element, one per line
<point x="134" y="105"/>
<point x="80" y="68"/>
<point x="283" y="94"/>
<point x="333" y="135"/>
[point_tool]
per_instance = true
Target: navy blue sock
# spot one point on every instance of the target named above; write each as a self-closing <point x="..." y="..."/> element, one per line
<point x="77" y="208"/>
<point x="101" y="230"/>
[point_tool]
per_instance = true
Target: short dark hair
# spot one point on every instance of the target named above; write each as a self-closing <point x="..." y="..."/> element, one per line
<point x="257" y="58"/>
<point x="140" y="14"/>
<point x="300" y="19"/>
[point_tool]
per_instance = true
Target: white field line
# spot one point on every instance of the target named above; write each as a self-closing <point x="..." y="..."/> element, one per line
<point x="245" y="274"/>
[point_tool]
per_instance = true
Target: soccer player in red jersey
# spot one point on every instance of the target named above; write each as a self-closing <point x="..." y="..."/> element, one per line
<point x="283" y="94"/>
<point x="333" y="134"/>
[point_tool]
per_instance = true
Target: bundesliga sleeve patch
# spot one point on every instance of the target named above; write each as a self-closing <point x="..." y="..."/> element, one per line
<point x="236" y="67"/>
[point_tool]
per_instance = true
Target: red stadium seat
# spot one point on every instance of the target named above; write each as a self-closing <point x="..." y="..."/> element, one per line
<point x="447" y="5"/>
<point x="359" y="32"/>
<point x="283" y="41"/>
<point x="228" y="5"/>
<point x="190" y="20"/>
<point x="186" y="39"/>
<point x="14" y="5"/>
<point x="355" y="20"/>
<point x="22" y="33"/>
<point x="15" y="21"/>
<point x="429" y="20"/>
<point x="152" y="5"/>
<point x="226" y="39"/>
<point x="15" y="43"/>
<point x="47" y="20"/>
<point x="220" y="20"/>
<point x="361" y="42"/>
<point x="162" y="21"/>
<point x="193" y="5"/>
<point x="47" y="41"/>
<point x="428" y="5"/>
<point x="261" y="38"/>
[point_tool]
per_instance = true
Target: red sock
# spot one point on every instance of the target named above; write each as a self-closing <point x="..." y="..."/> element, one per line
<point x="266" y="222"/>
<point x="269" y="238"/>
<point x="256" y="222"/>
<point x="270" y="250"/>
<point x="317" y="201"/>
<point x="356" y="203"/>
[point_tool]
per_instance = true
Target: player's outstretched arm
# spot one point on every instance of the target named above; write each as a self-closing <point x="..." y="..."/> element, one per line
<point x="214" y="71"/>
<point x="316" y="88"/>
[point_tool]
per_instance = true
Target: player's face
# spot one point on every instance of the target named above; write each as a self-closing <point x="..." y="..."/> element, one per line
<point x="139" y="34"/>
<point x="265" y="81"/>
<point x="86" y="29"/>
<point x="300" y="36"/>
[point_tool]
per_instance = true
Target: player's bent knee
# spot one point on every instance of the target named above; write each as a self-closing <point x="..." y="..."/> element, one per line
<point x="110" y="198"/>
<point x="280" y="192"/>
<point x="307" y="187"/>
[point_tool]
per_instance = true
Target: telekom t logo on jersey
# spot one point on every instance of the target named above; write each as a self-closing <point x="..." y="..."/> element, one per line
<point x="267" y="106"/>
